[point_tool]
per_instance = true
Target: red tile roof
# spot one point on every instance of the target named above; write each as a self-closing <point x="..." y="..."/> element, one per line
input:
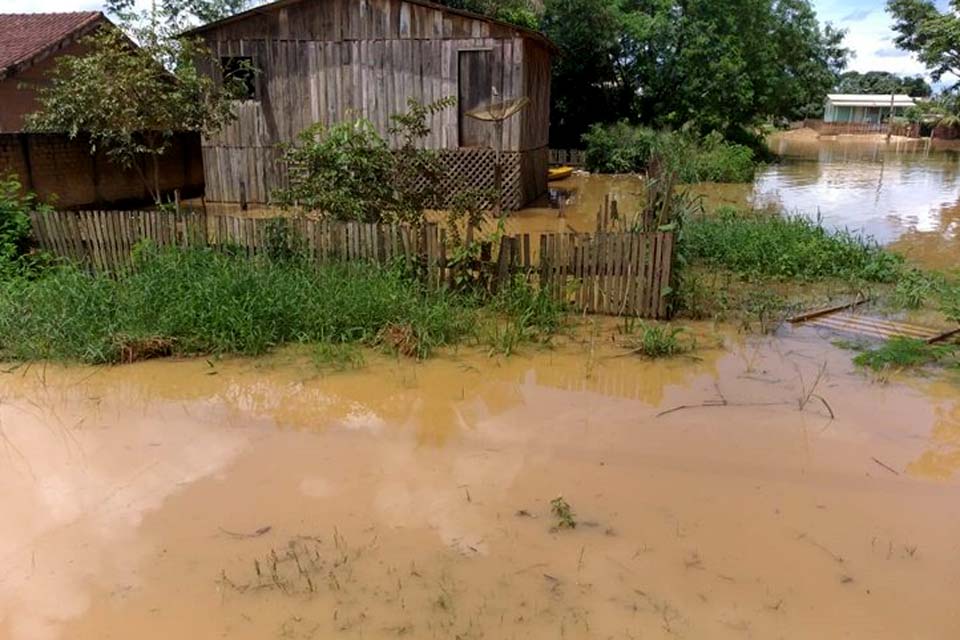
<point x="23" y="36"/>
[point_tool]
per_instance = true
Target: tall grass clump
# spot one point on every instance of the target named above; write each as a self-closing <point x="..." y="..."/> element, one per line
<point x="756" y="244"/>
<point x="202" y="301"/>
<point x="521" y="313"/>
<point x="657" y="341"/>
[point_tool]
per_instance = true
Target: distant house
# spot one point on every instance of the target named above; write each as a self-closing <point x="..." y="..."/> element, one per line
<point x="863" y="108"/>
<point x="327" y="61"/>
<point x="54" y="166"/>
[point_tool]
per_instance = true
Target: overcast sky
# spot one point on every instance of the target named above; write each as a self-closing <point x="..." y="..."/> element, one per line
<point x="867" y="23"/>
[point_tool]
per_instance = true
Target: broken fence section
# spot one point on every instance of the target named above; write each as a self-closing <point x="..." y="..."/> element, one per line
<point x="608" y="272"/>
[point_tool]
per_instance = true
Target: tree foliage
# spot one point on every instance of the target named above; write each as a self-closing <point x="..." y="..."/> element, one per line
<point x="523" y="13"/>
<point x="173" y="15"/>
<point x="934" y="36"/>
<point x="718" y="64"/>
<point x="130" y="101"/>
<point x="883" y="82"/>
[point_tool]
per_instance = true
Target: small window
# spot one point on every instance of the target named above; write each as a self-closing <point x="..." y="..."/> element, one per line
<point x="240" y="74"/>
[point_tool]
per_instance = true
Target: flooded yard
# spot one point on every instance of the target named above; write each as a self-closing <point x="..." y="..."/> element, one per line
<point x="905" y="194"/>
<point x="713" y="497"/>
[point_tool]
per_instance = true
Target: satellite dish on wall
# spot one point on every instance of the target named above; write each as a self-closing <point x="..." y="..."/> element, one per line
<point x="497" y="112"/>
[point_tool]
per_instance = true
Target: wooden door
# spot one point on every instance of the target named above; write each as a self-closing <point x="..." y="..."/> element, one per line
<point x="475" y="86"/>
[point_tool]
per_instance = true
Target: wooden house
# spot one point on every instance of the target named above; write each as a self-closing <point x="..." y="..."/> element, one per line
<point x="329" y="60"/>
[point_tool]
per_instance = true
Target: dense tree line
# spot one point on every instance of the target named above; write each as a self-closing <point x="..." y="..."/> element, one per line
<point x="883" y="82"/>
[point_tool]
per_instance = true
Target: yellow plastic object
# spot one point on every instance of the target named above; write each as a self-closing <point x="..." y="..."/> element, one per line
<point x="559" y="173"/>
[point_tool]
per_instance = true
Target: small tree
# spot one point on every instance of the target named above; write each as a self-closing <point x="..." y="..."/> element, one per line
<point x="129" y="101"/>
<point x="341" y="171"/>
<point x="350" y="172"/>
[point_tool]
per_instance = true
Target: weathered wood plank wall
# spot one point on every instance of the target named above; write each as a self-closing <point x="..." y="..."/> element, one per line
<point x="609" y="272"/>
<point x="327" y="61"/>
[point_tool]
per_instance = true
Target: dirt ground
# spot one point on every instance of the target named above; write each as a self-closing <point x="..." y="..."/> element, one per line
<point x="714" y="497"/>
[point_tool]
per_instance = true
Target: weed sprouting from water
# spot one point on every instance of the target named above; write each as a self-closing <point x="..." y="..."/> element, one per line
<point x="660" y="341"/>
<point x="563" y="513"/>
<point x="905" y="353"/>
<point x="851" y="345"/>
<point x="915" y="287"/>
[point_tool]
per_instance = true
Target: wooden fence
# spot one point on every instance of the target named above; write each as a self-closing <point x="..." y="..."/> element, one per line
<point x="572" y="157"/>
<point x="608" y="272"/>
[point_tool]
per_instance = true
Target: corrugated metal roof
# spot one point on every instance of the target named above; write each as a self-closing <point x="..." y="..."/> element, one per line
<point x="24" y="36"/>
<point x="869" y="100"/>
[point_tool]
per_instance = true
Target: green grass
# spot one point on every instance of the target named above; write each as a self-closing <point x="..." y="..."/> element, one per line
<point x="203" y="301"/>
<point x="337" y="356"/>
<point x="905" y="353"/>
<point x="200" y="301"/>
<point x="660" y="341"/>
<point x="758" y="245"/>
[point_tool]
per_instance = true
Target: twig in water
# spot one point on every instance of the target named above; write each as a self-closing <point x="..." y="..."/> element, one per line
<point x="715" y="403"/>
<point x="836" y="558"/>
<point x="807" y="394"/>
<point x="887" y="467"/>
<point x="256" y="534"/>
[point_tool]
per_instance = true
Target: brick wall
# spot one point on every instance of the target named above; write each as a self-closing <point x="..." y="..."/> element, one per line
<point x="63" y="171"/>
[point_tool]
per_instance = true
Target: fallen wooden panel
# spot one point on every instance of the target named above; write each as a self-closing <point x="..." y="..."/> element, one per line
<point x="846" y="322"/>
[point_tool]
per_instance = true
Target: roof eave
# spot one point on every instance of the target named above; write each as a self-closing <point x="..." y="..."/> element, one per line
<point x="83" y="29"/>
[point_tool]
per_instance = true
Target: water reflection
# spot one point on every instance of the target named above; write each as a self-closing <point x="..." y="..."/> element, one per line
<point x="883" y="190"/>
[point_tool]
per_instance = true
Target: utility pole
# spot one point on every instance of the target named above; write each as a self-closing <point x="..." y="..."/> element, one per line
<point x="890" y="117"/>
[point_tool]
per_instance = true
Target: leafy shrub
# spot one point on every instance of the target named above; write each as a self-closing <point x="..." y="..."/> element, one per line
<point x="340" y="171"/>
<point x="350" y="172"/>
<point x="719" y="161"/>
<point x="623" y="148"/>
<point x="15" y="240"/>
<point x="757" y="244"/>
<point x="618" y="148"/>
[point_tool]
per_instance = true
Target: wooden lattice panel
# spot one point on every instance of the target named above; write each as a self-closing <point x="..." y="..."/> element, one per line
<point x="474" y="168"/>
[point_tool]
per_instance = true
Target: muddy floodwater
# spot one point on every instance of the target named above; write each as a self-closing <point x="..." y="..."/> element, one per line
<point x="905" y="193"/>
<point x="262" y="499"/>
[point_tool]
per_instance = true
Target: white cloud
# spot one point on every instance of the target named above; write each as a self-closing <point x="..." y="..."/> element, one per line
<point x="870" y="36"/>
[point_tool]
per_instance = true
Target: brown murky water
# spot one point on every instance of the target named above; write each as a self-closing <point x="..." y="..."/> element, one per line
<point x="258" y="499"/>
<point x="905" y="193"/>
